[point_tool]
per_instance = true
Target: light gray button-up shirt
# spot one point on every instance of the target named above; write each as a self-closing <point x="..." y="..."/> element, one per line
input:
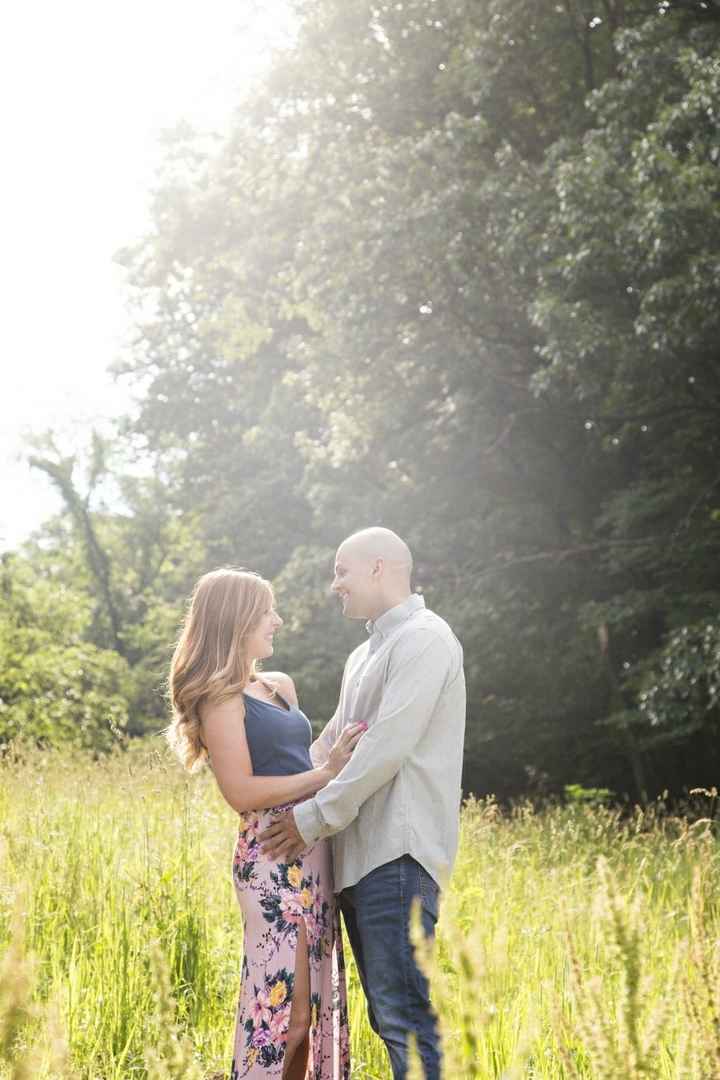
<point x="400" y="792"/>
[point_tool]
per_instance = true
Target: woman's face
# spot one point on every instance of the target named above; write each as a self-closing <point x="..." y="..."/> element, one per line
<point x="260" y="639"/>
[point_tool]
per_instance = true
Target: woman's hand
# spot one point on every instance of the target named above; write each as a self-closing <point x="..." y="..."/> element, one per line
<point x="343" y="748"/>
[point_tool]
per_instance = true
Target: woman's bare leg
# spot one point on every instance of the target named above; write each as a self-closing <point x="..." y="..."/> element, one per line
<point x="298" y="1040"/>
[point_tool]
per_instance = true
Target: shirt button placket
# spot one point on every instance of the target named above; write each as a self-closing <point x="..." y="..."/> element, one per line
<point x="375" y="640"/>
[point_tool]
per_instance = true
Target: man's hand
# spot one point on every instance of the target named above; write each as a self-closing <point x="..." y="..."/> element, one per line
<point x="281" y="840"/>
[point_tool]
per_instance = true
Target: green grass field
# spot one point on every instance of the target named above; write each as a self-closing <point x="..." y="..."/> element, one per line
<point x="571" y="943"/>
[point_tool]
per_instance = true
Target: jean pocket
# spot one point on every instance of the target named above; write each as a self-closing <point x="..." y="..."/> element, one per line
<point x="428" y="891"/>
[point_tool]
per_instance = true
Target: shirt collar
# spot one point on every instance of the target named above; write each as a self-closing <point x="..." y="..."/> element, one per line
<point x="395" y="615"/>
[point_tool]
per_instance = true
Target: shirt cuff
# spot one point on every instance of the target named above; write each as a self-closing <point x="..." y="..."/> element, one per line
<point x="309" y="821"/>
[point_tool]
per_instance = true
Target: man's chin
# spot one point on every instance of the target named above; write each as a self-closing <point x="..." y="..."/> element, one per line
<point x="352" y="613"/>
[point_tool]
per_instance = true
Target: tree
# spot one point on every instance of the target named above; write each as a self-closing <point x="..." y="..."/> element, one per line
<point x="627" y="304"/>
<point x="56" y="688"/>
<point x="435" y="279"/>
<point x="133" y="565"/>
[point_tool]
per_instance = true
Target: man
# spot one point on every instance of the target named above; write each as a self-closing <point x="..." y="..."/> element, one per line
<point x="393" y="811"/>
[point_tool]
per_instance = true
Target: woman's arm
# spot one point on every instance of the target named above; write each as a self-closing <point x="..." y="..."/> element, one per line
<point x="224" y="735"/>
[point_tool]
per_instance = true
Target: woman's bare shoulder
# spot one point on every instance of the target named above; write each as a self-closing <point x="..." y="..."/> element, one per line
<point x="219" y="711"/>
<point x="284" y="684"/>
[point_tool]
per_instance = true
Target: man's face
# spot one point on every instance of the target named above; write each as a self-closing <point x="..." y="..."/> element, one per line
<point x="355" y="584"/>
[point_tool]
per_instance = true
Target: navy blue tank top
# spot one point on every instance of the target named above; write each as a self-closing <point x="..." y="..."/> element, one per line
<point x="278" y="738"/>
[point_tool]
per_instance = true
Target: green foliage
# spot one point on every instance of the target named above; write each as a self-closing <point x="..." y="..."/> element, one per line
<point x="55" y="687"/>
<point x="681" y="692"/>
<point x="150" y="554"/>
<point x="320" y="392"/>
<point x="452" y="270"/>
<point x="593" y="796"/>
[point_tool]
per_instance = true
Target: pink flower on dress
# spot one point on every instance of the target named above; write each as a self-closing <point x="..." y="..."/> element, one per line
<point x="290" y="906"/>
<point x="319" y="916"/>
<point x="279" y="1024"/>
<point x="261" y="1011"/>
<point x="311" y="929"/>
<point x="251" y="830"/>
<point x="261" y="1037"/>
<point x="242" y="851"/>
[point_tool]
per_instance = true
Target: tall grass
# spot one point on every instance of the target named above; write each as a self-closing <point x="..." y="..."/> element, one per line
<point x="577" y="944"/>
<point x="572" y="943"/>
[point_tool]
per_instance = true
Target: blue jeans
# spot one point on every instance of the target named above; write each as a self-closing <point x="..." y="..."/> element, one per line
<point x="376" y="912"/>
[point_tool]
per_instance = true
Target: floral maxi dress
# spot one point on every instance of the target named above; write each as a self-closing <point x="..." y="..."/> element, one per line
<point x="274" y="898"/>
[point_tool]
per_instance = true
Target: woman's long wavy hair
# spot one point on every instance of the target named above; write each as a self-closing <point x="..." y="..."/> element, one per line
<point x="210" y="662"/>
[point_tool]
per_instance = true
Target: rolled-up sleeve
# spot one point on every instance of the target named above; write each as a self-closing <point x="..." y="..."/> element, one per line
<point x="419" y="669"/>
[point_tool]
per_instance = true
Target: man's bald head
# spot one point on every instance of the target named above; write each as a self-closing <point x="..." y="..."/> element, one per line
<point x="380" y="543"/>
<point x="372" y="572"/>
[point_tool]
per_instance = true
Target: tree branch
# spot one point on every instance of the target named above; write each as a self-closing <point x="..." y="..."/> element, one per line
<point x="61" y="475"/>
<point x="558" y="555"/>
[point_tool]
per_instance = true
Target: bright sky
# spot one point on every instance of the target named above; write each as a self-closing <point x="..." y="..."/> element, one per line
<point x="85" y="90"/>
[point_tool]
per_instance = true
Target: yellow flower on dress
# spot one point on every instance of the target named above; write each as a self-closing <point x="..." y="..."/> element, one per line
<point x="295" y="876"/>
<point x="242" y="823"/>
<point x="306" y="898"/>
<point x="252" y="1055"/>
<point x="278" y="993"/>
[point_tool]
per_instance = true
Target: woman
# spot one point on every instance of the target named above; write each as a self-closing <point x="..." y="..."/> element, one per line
<point x="292" y="1017"/>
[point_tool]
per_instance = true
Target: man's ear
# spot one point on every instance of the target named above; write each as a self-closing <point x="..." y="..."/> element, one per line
<point x="378" y="567"/>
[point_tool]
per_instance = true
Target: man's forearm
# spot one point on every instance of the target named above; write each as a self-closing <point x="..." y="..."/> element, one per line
<point x="375" y="761"/>
<point x="309" y="822"/>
